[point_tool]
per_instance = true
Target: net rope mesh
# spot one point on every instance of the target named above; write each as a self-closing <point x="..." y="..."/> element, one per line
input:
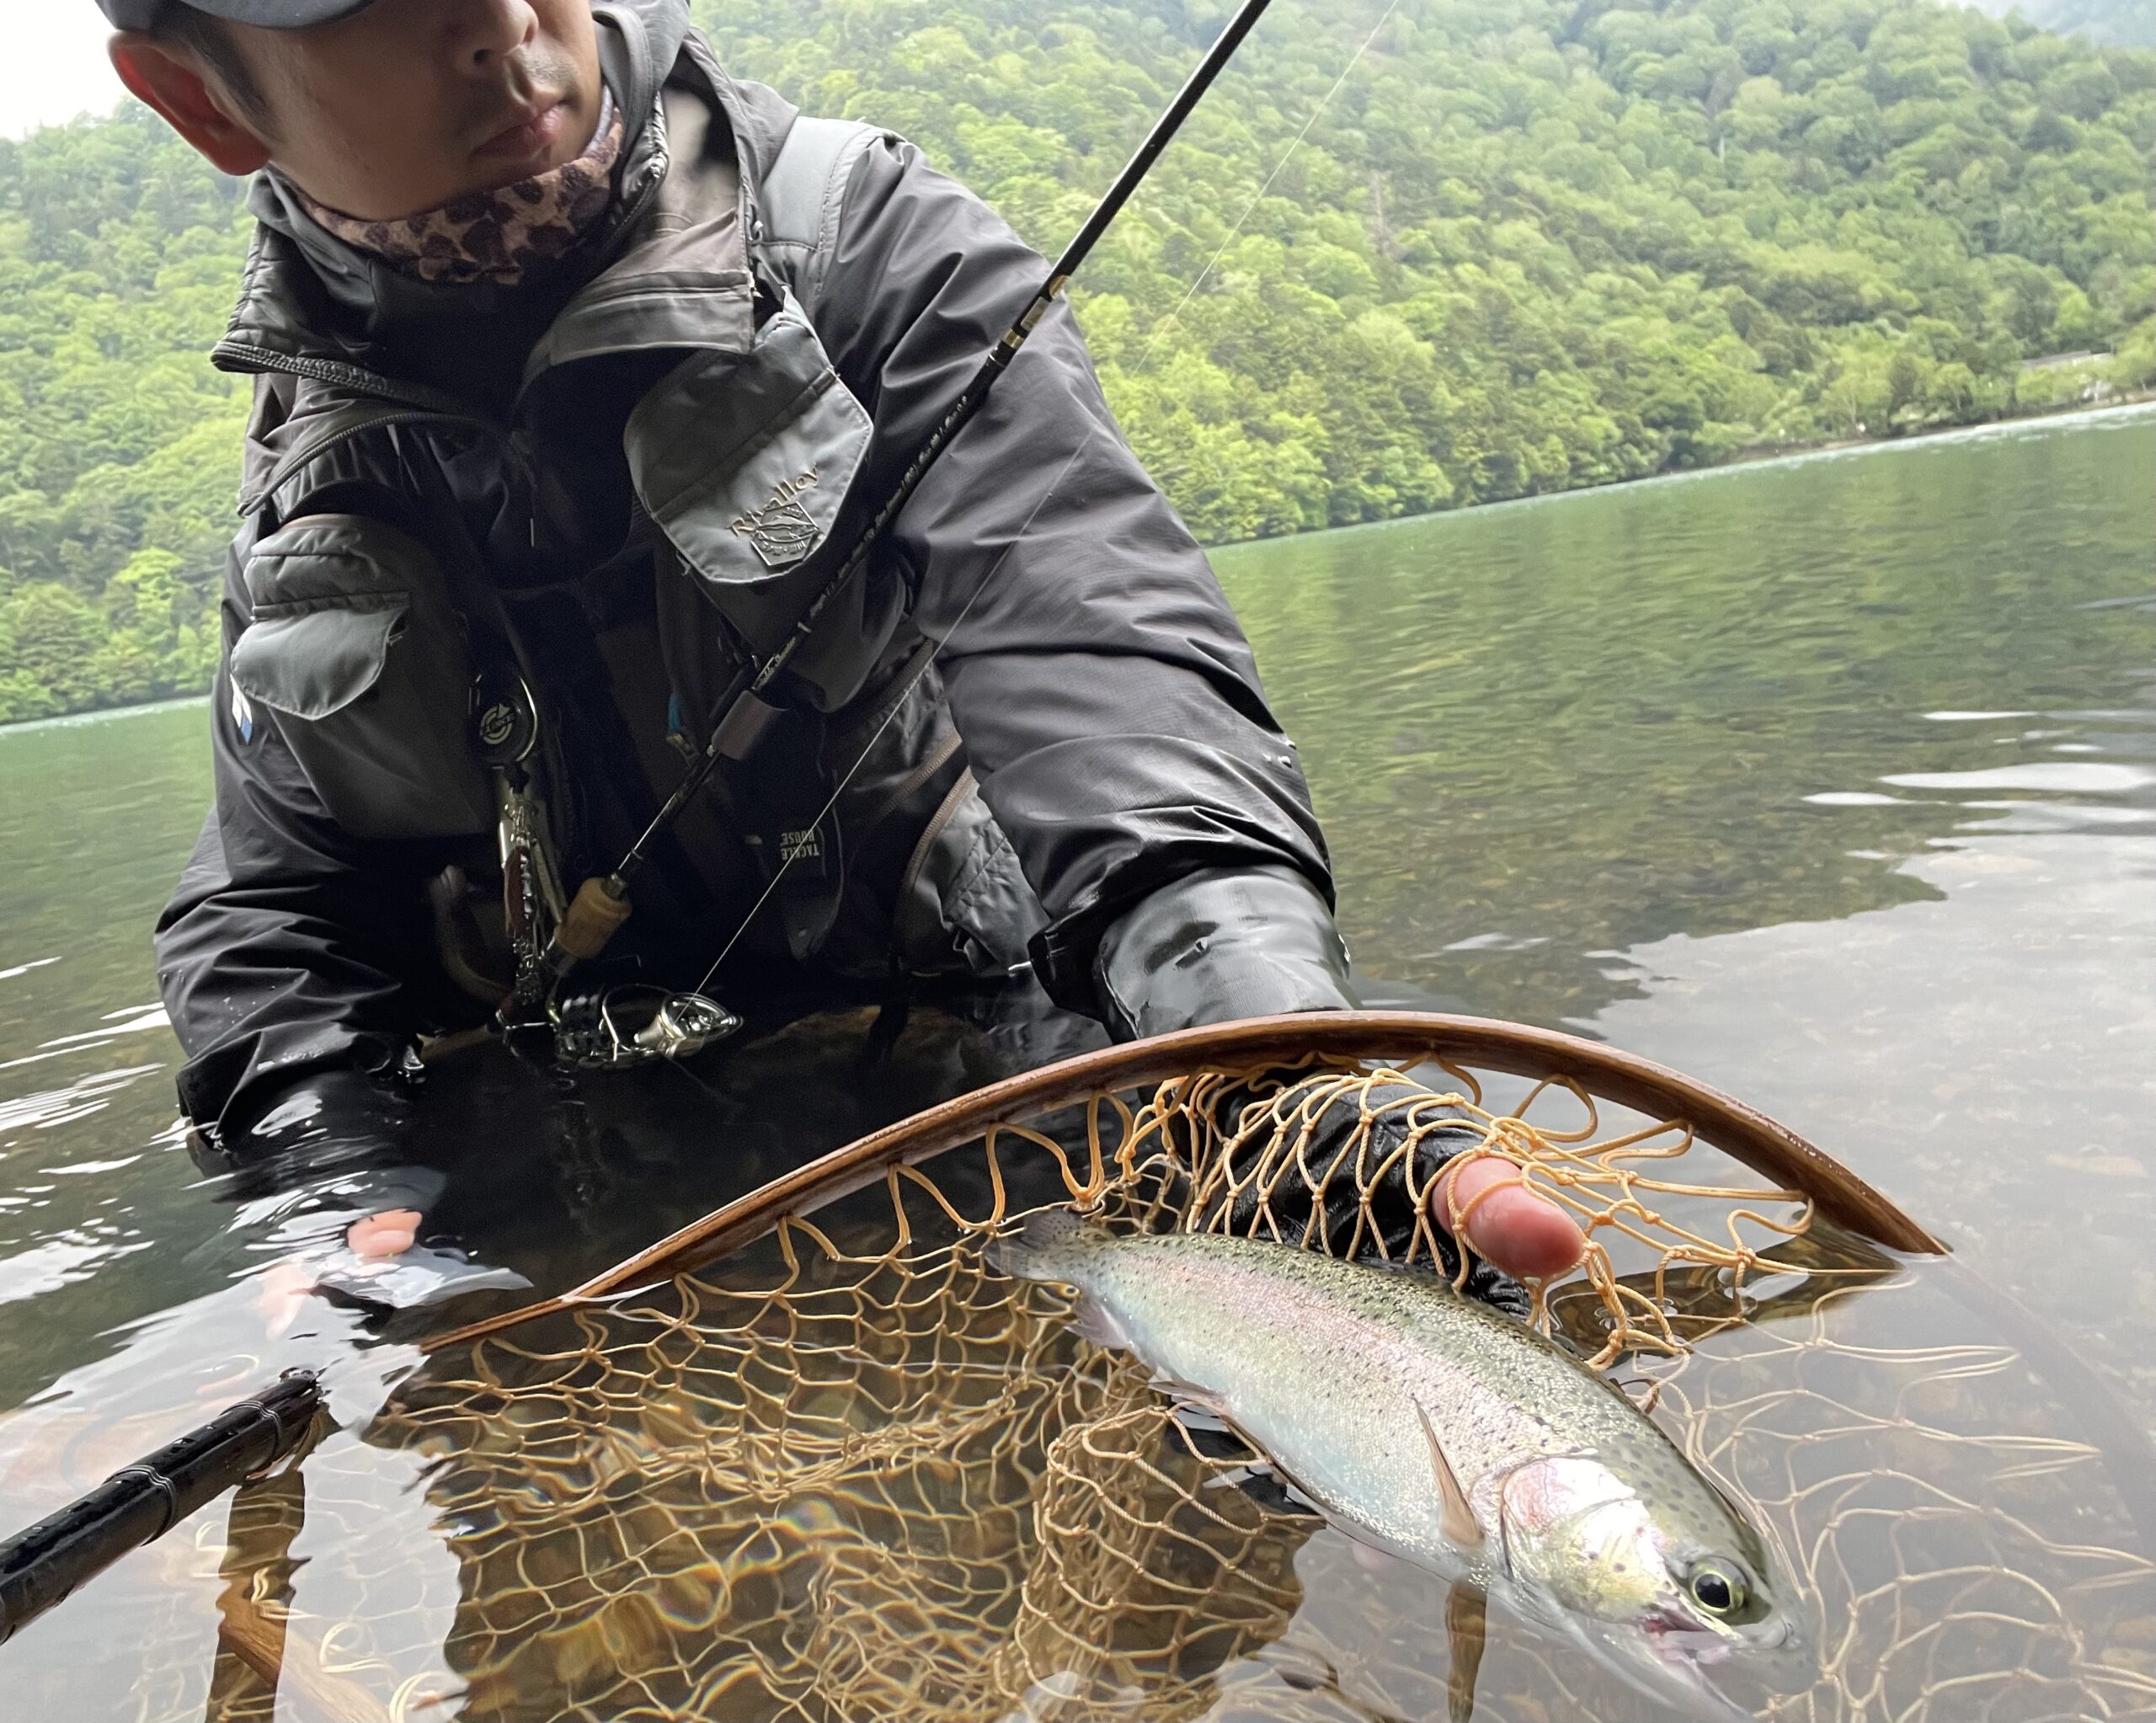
<point x="853" y="1471"/>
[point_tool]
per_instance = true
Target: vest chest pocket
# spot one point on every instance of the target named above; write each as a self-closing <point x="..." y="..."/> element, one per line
<point x="353" y="644"/>
<point x="744" y="460"/>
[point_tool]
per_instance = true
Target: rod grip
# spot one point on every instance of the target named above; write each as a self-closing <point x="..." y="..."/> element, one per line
<point x="595" y="916"/>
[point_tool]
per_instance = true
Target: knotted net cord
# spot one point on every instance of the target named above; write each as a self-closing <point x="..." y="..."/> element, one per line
<point x="1223" y="1150"/>
<point x="851" y="1471"/>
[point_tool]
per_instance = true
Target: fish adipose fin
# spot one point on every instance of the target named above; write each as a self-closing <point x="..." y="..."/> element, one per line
<point x="1457" y="1521"/>
<point x="1467" y="1626"/>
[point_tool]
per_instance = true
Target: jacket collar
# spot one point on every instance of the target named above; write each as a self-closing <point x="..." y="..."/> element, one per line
<point x="665" y="270"/>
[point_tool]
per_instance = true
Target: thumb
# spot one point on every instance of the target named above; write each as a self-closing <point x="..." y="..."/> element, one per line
<point x="379" y="1236"/>
<point x="1507" y="1221"/>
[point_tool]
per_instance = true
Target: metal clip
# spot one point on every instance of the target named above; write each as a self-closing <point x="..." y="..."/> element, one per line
<point x="531" y="891"/>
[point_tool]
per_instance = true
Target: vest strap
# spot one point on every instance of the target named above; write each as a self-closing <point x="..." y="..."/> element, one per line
<point x="801" y="198"/>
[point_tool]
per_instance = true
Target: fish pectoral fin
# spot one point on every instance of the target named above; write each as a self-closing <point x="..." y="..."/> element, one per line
<point x="1467" y="1627"/>
<point x="1458" y="1521"/>
<point x="1091" y="1320"/>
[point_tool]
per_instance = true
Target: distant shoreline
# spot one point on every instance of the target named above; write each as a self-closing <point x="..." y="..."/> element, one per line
<point x="2133" y="402"/>
<point x="2123" y="402"/>
<point x="2129" y="403"/>
<point x="97" y="714"/>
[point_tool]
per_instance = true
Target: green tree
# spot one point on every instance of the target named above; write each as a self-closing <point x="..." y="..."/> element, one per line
<point x="1529" y="246"/>
<point x="49" y="639"/>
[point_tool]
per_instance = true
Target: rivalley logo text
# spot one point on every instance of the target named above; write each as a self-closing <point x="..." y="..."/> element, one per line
<point x="783" y="532"/>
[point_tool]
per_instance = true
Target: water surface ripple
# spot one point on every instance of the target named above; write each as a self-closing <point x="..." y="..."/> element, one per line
<point x="1832" y="781"/>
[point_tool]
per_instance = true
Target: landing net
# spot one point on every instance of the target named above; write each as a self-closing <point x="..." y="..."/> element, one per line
<point x="850" y="1470"/>
<point x="1221" y="1151"/>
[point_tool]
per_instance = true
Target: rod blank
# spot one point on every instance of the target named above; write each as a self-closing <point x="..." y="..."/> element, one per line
<point x="139" y="1504"/>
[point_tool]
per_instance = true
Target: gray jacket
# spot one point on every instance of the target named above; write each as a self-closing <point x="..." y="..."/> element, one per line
<point x="615" y="482"/>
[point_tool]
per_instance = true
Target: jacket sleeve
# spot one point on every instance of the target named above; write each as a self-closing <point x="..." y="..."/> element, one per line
<point x="280" y="952"/>
<point x="1109" y="703"/>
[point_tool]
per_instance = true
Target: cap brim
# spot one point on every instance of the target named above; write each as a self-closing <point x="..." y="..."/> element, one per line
<point x="266" y="14"/>
<point x="280" y="14"/>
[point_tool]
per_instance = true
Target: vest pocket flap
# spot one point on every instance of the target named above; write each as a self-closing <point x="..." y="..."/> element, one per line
<point x="355" y="640"/>
<point x="745" y="461"/>
<point x="318" y="661"/>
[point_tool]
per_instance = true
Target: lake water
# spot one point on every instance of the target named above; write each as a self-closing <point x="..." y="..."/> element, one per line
<point x="1831" y="781"/>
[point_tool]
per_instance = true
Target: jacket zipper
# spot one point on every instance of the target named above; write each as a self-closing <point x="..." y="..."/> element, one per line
<point x="353" y="377"/>
<point x="241" y="358"/>
<point x="320" y="446"/>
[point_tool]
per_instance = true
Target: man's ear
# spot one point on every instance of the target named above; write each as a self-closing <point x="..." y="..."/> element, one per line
<point x="171" y="80"/>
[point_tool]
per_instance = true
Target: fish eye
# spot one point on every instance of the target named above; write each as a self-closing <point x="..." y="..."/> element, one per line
<point x="1717" y="1591"/>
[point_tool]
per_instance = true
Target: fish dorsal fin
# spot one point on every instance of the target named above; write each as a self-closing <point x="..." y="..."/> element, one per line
<point x="1458" y="1520"/>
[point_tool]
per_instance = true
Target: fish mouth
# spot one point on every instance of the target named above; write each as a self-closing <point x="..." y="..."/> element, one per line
<point x="1685" y="1653"/>
<point x="1680" y="1643"/>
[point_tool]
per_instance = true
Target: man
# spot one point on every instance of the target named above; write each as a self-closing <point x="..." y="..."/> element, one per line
<point x="579" y="365"/>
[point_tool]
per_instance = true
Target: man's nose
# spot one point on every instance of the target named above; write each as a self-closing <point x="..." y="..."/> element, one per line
<point x="486" y="31"/>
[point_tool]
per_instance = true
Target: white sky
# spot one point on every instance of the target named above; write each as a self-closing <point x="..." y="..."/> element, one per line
<point x="53" y="66"/>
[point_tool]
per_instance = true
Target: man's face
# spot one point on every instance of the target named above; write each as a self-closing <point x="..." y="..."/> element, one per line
<point x="402" y="107"/>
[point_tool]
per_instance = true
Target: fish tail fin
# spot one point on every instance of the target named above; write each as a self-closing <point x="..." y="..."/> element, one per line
<point x="1041" y="1248"/>
<point x="1053" y="1244"/>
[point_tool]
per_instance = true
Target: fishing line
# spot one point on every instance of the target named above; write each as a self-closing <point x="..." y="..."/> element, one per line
<point x="1145" y="359"/>
<point x="1258" y="197"/>
<point x="602" y="904"/>
<point x="898" y="705"/>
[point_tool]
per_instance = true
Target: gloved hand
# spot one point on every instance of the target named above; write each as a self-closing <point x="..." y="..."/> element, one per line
<point x="1228" y="943"/>
<point x="1357" y="1184"/>
<point x="328" y="1162"/>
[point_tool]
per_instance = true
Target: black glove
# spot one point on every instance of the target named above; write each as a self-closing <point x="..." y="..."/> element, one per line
<point x="316" y="1159"/>
<point x="339" y="1137"/>
<point x="1288" y="1171"/>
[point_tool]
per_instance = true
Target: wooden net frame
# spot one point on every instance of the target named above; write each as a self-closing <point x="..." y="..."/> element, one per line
<point x="816" y="1459"/>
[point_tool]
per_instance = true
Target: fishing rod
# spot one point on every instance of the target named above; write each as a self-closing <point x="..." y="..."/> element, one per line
<point x="601" y="905"/>
<point x="139" y="1504"/>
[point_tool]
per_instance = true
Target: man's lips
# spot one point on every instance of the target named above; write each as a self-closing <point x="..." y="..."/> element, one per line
<point x="532" y="136"/>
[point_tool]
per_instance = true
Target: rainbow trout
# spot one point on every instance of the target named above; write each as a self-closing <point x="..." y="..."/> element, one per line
<point x="1446" y="1434"/>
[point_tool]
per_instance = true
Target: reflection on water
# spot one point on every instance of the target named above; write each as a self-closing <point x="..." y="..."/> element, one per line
<point x="820" y="1480"/>
<point x="1833" y="782"/>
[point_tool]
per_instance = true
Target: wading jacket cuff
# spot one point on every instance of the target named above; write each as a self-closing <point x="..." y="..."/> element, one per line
<point x="342" y="1135"/>
<point x="1218" y="945"/>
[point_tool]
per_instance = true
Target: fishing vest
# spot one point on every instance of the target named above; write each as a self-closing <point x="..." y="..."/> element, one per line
<point x="451" y="648"/>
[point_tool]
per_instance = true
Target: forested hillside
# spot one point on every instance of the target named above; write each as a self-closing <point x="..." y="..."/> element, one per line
<point x="1527" y="247"/>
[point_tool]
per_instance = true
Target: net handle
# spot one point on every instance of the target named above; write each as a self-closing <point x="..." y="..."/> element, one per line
<point x="1399" y="1037"/>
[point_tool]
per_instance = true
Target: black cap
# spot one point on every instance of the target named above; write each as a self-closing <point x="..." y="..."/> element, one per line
<point x="269" y="14"/>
